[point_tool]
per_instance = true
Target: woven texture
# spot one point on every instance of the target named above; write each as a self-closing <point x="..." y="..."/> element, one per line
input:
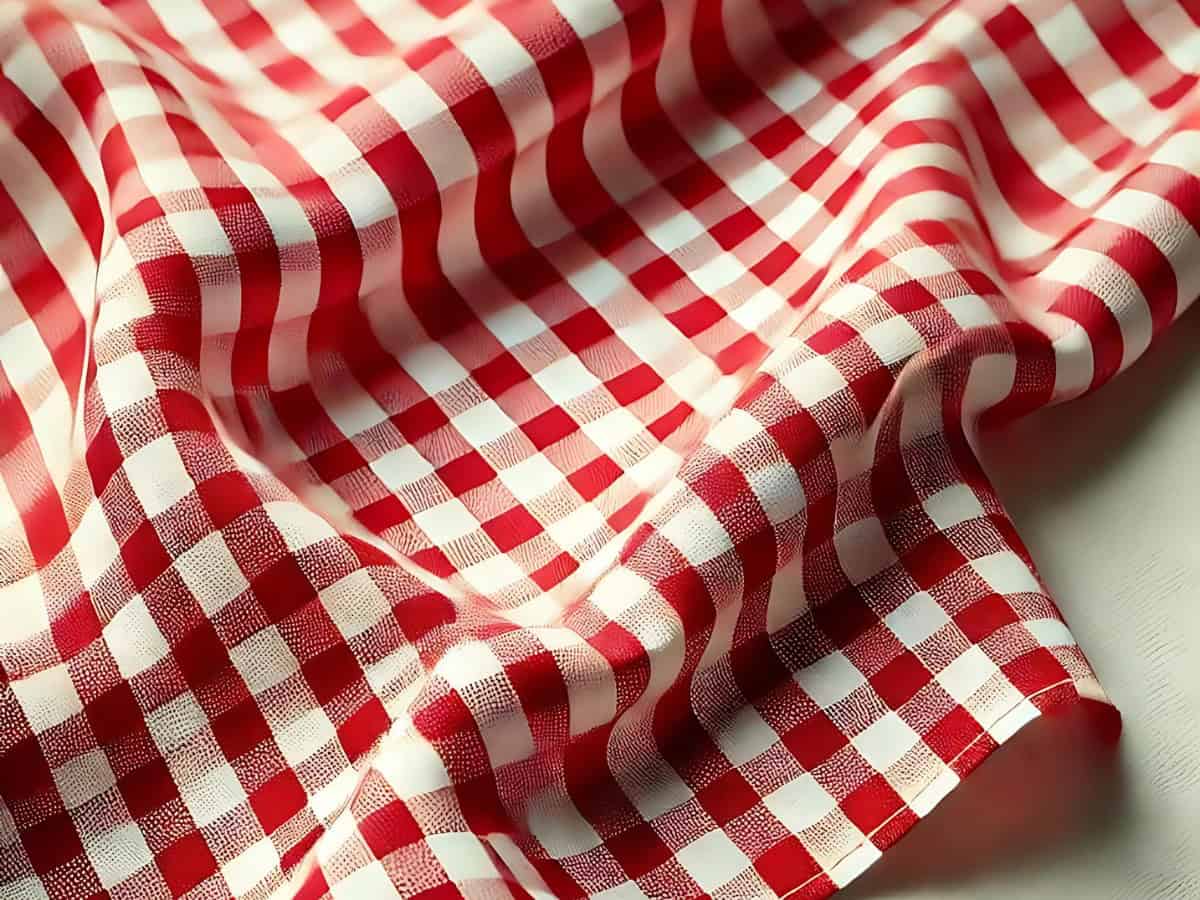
<point x="526" y="449"/>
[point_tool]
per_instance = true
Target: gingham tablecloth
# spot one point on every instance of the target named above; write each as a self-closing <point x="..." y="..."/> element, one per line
<point x="460" y="449"/>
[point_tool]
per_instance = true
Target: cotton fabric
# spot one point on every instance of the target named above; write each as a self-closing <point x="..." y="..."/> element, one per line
<point x="460" y="449"/>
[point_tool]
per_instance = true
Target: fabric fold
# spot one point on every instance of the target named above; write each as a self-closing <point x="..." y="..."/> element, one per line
<point x="529" y="448"/>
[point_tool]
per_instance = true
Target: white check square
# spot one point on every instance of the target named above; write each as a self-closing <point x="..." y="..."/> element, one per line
<point x="1005" y="573"/>
<point x="885" y="741"/>
<point x="369" y="881"/>
<point x="95" y="548"/>
<point x="198" y="230"/>
<point x="175" y="723"/>
<point x="565" y="379"/>
<point x="462" y="855"/>
<point x="800" y="803"/>
<point x="559" y="827"/>
<point x="719" y="272"/>
<point x="467" y="663"/>
<point x="401" y="467"/>
<point x="916" y="619"/>
<point x="746" y="736"/>
<point x="893" y="339"/>
<point x="250" y="867"/>
<point x="814" y="380"/>
<point x="531" y="478"/>
<point x="47" y="697"/>
<point x="953" y="505"/>
<point x="124" y="382"/>
<point x="514" y="324"/>
<point x="830" y="679"/>
<point x="355" y="603"/>
<point x="264" y="660"/>
<point x="778" y="490"/>
<point x="577" y="526"/>
<point x="672" y="233"/>
<point x="597" y="281"/>
<point x="83" y="777"/>
<point x="157" y="475"/>
<point x="757" y="181"/>
<point x="447" y="521"/>
<point x="863" y="549"/>
<point x="304" y="735"/>
<point x="118" y="853"/>
<point x="966" y="674"/>
<point x="483" y="423"/>
<point x="713" y="860"/>
<point x="134" y="638"/>
<point x="24" y="605"/>
<point x="619" y="590"/>
<point x="213" y="795"/>
<point x="493" y="574"/>
<point x="696" y="532"/>
<point x="432" y="367"/>
<point x="211" y="573"/>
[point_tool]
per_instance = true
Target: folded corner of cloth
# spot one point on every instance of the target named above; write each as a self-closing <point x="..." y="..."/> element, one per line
<point x="479" y="449"/>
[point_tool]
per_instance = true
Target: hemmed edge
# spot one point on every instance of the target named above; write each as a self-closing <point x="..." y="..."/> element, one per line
<point x="1104" y="720"/>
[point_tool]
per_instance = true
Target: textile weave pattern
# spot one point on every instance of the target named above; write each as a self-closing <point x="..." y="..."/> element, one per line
<point x="526" y="448"/>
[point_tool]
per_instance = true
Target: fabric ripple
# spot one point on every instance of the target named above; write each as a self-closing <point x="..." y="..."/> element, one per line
<point x="528" y="448"/>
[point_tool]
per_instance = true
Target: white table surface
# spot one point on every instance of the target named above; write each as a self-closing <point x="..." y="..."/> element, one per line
<point x="1105" y="491"/>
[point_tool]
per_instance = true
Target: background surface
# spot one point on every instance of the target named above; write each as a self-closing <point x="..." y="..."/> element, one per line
<point x="1105" y="491"/>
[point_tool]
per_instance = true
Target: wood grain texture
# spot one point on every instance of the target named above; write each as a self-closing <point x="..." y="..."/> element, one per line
<point x="1111" y="513"/>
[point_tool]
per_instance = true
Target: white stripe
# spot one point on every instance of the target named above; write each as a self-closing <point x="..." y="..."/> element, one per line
<point x="1115" y="287"/>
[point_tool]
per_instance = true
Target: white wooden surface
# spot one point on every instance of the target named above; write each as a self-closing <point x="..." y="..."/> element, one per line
<point x="1106" y="492"/>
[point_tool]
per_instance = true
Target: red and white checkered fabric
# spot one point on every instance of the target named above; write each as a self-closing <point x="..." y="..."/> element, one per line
<point x="461" y="449"/>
